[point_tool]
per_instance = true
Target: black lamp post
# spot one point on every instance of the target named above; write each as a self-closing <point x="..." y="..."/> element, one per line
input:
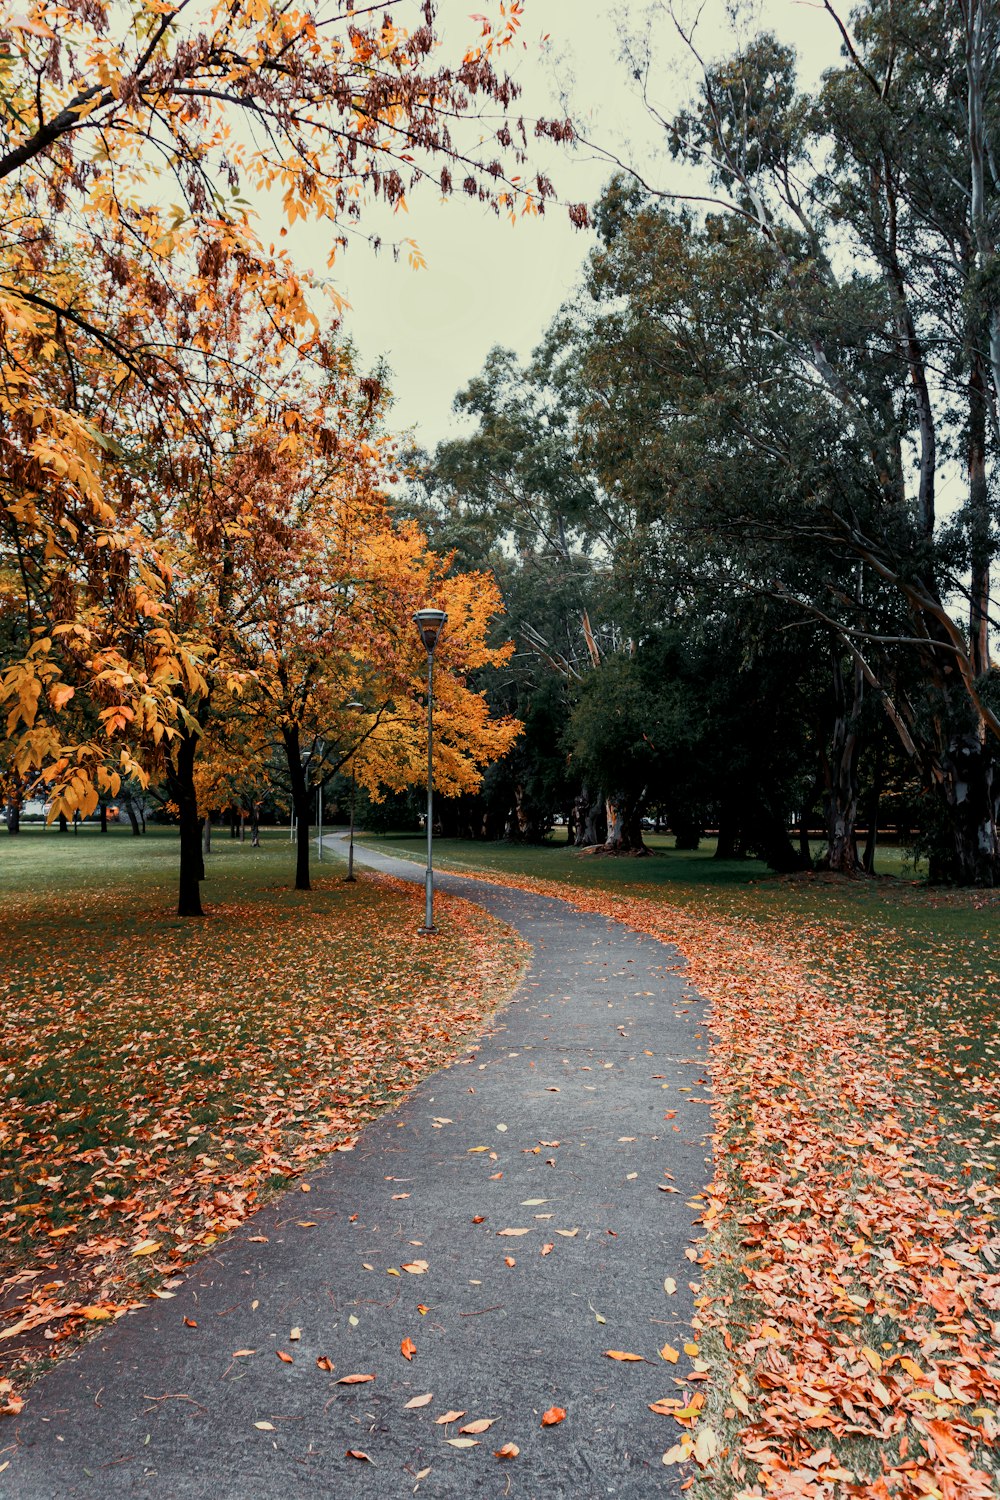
<point x="430" y="623"/>
<point x="355" y="707"/>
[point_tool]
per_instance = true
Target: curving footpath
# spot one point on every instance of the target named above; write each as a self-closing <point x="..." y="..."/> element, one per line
<point x="557" y="1124"/>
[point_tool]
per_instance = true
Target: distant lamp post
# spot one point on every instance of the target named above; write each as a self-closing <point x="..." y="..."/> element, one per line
<point x="430" y="623"/>
<point x="355" y="707"/>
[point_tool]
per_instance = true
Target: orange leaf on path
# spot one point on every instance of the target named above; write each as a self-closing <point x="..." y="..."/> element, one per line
<point x="509" y="1450"/>
<point x="552" y="1416"/>
<point x="621" y="1355"/>
<point x="353" y="1379"/>
<point x="407" y="1348"/>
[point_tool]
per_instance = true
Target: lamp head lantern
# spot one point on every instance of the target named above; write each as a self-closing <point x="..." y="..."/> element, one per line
<point x="430" y="623"/>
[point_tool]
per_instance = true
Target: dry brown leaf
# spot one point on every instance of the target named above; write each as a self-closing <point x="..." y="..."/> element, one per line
<point x="514" y="1231"/>
<point x="509" y="1450"/>
<point x="416" y="1401"/>
<point x="463" y="1442"/>
<point x="552" y="1416"/>
<point x="357" y="1453"/>
<point x="415" y="1267"/>
<point x="353" y="1379"/>
<point x="620" y="1354"/>
<point x="670" y="1354"/>
<point x="407" y="1348"/>
<point x="482" y="1424"/>
<point x="285" y="1358"/>
<point x="449" y="1416"/>
<point x="325" y="1363"/>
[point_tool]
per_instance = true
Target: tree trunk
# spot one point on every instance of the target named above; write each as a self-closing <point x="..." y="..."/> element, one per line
<point x="805" y="817"/>
<point x="729" y="830"/>
<point x="300" y="805"/>
<point x="243" y="826"/>
<point x="234" y="832"/>
<point x="687" y="830"/>
<point x="104" y="817"/>
<point x="180" y="783"/>
<point x="980" y="526"/>
<point x="14" y="815"/>
<point x="63" y="823"/>
<point x="624" y="815"/>
<point x="842" y="789"/>
<point x="206" y="835"/>
<point x="254" y="826"/>
<point x="872" y="807"/>
<point x="591" y="827"/>
<point x="133" y="820"/>
<point x="969" y="794"/>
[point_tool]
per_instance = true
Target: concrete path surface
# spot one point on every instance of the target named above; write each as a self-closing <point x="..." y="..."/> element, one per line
<point x="558" y="1126"/>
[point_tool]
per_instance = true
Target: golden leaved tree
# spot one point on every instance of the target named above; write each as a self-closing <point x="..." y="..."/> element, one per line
<point x="129" y="133"/>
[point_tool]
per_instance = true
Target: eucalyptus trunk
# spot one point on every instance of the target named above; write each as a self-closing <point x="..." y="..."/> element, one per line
<point x="842" y="788"/>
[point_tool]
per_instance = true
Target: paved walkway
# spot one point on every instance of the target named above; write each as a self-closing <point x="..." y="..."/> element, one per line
<point x="557" y="1125"/>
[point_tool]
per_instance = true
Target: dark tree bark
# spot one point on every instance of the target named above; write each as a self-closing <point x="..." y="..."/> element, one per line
<point x="14" y="815"/>
<point x="591" y="820"/>
<point x="980" y="527"/>
<point x="686" y="829"/>
<point x="969" y="792"/>
<point x="300" y="804"/>
<point x="104" y="817"/>
<point x="624" y="820"/>
<point x="180" y="784"/>
<point x="842" y="773"/>
<point x="206" y="835"/>
<point x="872" y="802"/>
<point x="234" y="831"/>
<point x="254" y="825"/>
<point x="727" y="845"/>
<point x="63" y="823"/>
<point x="133" y="820"/>
<point x="808" y="808"/>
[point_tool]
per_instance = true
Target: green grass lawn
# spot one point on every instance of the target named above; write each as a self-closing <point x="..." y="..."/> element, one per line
<point x="163" y="1076"/>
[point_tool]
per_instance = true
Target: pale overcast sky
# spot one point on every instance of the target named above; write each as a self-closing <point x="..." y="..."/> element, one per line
<point x="487" y="282"/>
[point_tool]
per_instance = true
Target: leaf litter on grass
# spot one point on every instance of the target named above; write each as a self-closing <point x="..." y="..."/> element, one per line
<point x="163" y="1079"/>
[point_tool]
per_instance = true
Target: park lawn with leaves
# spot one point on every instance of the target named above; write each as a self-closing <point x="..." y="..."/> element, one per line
<point x="162" y="1077"/>
<point x="849" y="1308"/>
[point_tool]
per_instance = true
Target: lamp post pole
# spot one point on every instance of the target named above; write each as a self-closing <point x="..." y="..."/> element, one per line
<point x="355" y="707"/>
<point x="430" y="623"/>
<point x="350" y="839"/>
<point x="319" y="825"/>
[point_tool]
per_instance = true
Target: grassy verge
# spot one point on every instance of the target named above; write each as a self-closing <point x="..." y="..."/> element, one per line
<point x="850" y="1304"/>
<point x="163" y="1077"/>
